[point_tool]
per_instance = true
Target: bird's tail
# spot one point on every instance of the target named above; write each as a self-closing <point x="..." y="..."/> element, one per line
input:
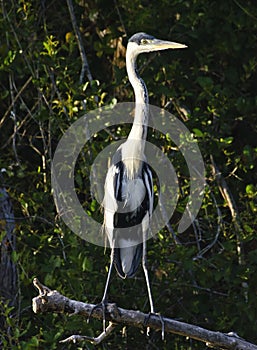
<point x="127" y="260"/>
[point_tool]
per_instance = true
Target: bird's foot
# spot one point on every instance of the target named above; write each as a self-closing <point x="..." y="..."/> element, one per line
<point x="156" y="314"/>
<point x="101" y="305"/>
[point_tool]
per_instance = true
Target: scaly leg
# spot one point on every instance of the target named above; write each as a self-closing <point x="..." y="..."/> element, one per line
<point x="144" y="264"/>
<point x="104" y="299"/>
<point x="147" y="277"/>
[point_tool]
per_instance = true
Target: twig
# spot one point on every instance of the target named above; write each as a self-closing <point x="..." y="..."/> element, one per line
<point x="248" y="13"/>
<point x="43" y="290"/>
<point x="96" y="341"/>
<point x="226" y="194"/>
<point x="12" y="29"/>
<point x="209" y="246"/>
<point x="15" y="99"/>
<point x="120" y="18"/>
<point x="53" y="301"/>
<point x="167" y="220"/>
<point x="9" y="286"/>
<point x="52" y="78"/>
<point x="85" y="66"/>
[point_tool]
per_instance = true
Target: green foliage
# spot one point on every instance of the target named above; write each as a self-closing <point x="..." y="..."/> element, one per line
<point x="206" y="280"/>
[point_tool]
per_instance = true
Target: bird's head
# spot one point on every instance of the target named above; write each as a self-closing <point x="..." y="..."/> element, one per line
<point x="142" y="42"/>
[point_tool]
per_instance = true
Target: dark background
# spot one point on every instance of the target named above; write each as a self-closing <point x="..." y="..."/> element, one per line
<point x="209" y="279"/>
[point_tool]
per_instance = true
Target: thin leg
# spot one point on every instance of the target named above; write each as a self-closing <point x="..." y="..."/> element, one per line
<point x="147" y="277"/>
<point x="104" y="299"/>
<point x="144" y="262"/>
<point x="108" y="276"/>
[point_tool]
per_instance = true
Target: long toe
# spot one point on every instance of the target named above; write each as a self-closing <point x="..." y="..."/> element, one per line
<point x="101" y="305"/>
<point x="146" y="321"/>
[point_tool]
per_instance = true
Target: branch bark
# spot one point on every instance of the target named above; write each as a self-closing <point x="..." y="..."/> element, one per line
<point x="52" y="301"/>
<point x="8" y="268"/>
<point x="227" y="195"/>
<point x="85" y="65"/>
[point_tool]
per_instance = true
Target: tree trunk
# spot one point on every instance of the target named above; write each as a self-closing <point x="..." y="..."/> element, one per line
<point x="8" y="271"/>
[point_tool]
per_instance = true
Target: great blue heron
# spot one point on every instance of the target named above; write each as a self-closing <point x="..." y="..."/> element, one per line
<point x="128" y="199"/>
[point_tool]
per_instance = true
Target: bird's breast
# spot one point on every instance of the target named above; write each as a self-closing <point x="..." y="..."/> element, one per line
<point x="132" y="194"/>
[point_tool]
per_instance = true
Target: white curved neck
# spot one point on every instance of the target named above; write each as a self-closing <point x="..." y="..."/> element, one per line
<point x="139" y="128"/>
<point x="133" y="149"/>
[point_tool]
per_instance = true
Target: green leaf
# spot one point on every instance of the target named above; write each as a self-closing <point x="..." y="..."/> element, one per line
<point x="250" y="189"/>
<point x="198" y="132"/>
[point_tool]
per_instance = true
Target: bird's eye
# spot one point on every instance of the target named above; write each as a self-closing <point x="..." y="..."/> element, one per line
<point x="144" y="41"/>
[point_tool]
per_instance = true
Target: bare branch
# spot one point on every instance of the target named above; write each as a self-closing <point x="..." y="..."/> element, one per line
<point x="227" y="195"/>
<point x="209" y="246"/>
<point x="52" y="301"/>
<point x="85" y="66"/>
<point x="166" y="219"/>
<point x="14" y="100"/>
<point x="9" y="290"/>
<point x="77" y="338"/>
<point x="120" y="17"/>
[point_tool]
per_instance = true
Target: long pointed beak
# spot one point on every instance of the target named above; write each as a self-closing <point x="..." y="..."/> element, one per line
<point x="164" y="45"/>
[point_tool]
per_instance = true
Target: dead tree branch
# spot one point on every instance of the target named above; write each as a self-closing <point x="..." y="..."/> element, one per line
<point x="52" y="301"/>
<point x="85" y="65"/>
<point x="8" y="268"/>
<point x="227" y="195"/>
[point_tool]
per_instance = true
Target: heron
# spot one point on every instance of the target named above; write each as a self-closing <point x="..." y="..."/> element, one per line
<point x="128" y="190"/>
